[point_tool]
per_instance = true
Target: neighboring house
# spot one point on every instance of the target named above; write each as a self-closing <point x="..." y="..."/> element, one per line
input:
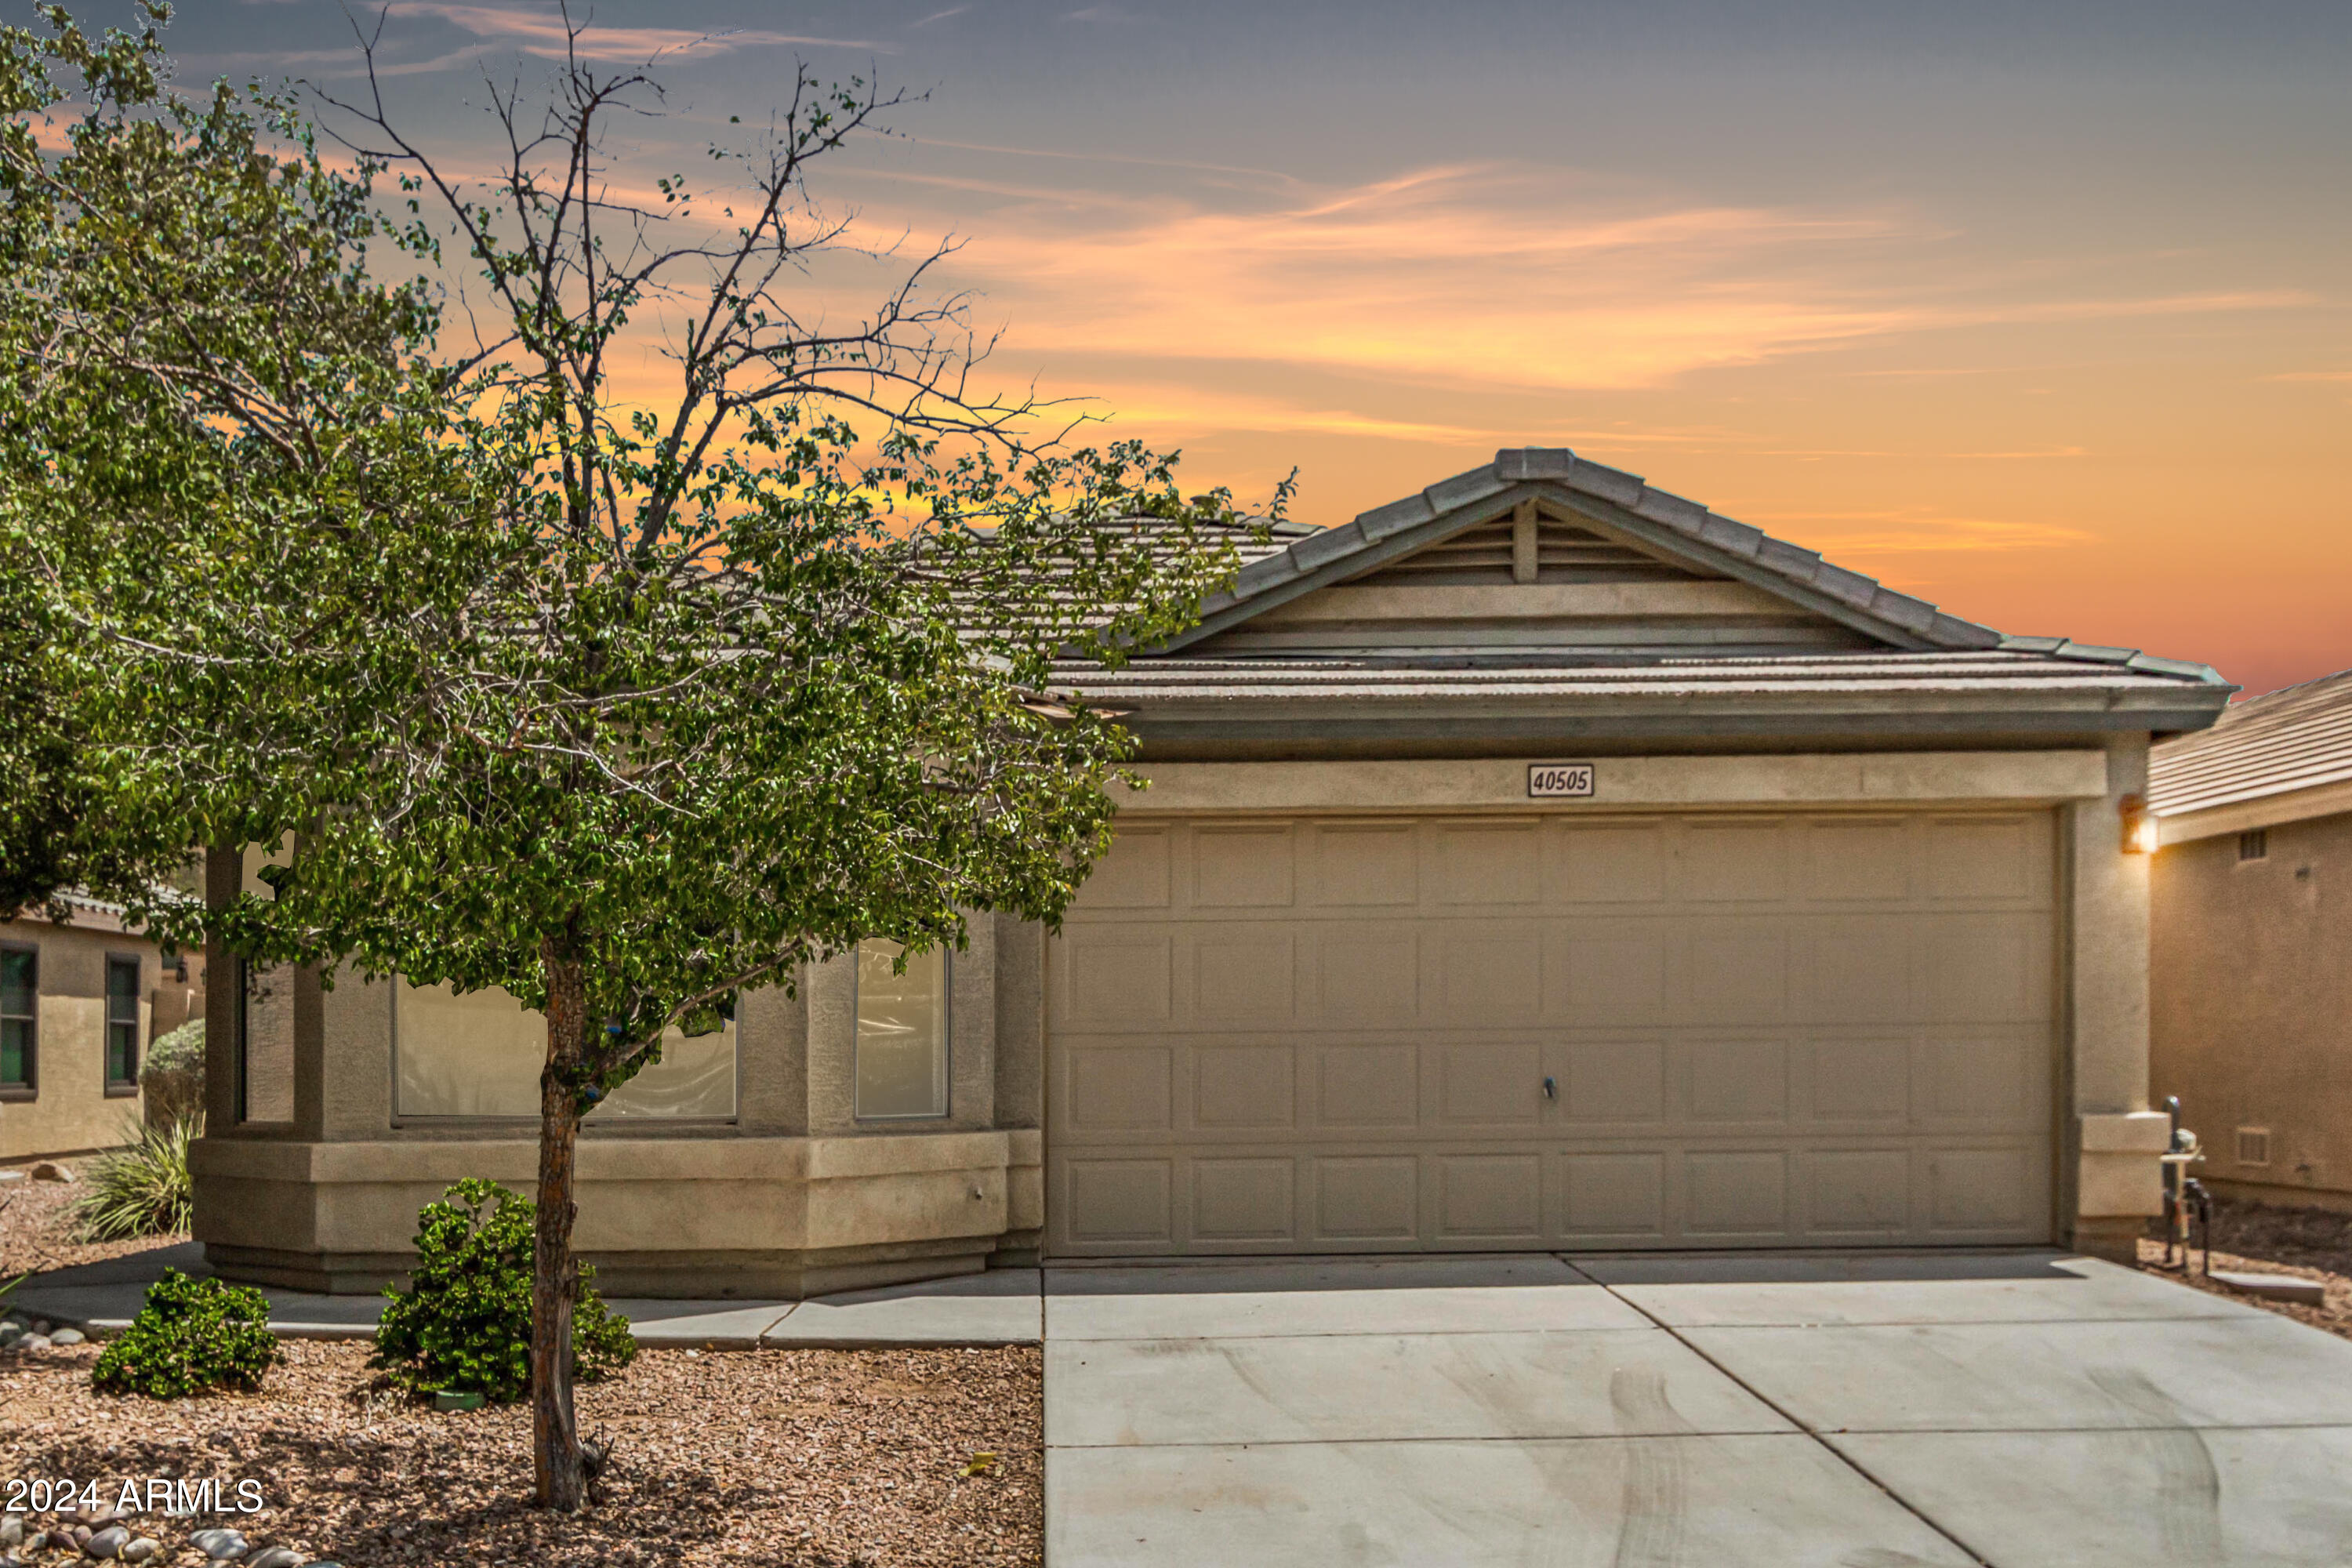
<point x="78" y="1004"/>
<point x="1537" y="862"/>
<point x="2251" y="966"/>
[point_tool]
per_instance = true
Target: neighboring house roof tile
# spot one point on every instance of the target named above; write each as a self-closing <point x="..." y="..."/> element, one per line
<point x="2297" y="739"/>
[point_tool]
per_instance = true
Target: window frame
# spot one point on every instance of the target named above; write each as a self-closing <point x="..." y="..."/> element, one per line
<point x="947" y="1041"/>
<point x="121" y="1089"/>
<point x="31" y="1087"/>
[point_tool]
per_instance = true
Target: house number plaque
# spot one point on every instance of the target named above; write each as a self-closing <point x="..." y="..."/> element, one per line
<point x="1559" y="781"/>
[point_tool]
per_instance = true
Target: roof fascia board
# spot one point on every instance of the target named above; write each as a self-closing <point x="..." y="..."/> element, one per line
<point x="1743" y="568"/>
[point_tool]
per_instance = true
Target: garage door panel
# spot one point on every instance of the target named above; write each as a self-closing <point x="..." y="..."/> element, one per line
<point x="1245" y="1087"/>
<point x="1612" y="1198"/>
<point x="1803" y="1028"/>
<point x="1864" y="1080"/>
<point x="1988" y="969"/>
<point x="1487" y="1083"/>
<point x="1245" y="1199"/>
<point x="1733" y="971"/>
<point x="1116" y="976"/>
<point x="1732" y="860"/>
<point x="1242" y="868"/>
<point x="2001" y="860"/>
<point x="1857" y="969"/>
<point x="1365" y="1086"/>
<point x="1121" y="1089"/>
<point x="1734" y="1194"/>
<point x="1607" y="864"/>
<point x="1363" y="865"/>
<point x="1856" y="860"/>
<point x="1612" y="973"/>
<point x="1245" y="975"/>
<point x="1610" y="1085"/>
<point x="1119" y="1205"/>
<point x="1736" y="1082"/>
<point x="1485" y="863"/>
<point x="1489" y="972"/>
<point x="1857" y="1195"/>
<point x="1362" y="1199"/>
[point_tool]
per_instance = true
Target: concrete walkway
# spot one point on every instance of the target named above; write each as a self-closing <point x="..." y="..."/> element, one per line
<point x="1000" y="1307"/>
<point x="1867" y="1411"/>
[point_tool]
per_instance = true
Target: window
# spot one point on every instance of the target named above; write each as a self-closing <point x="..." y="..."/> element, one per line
<point x="480" y="1055"/>
<point x="2253" y="1145"/>
<point x="121" y="1025"/>
<point x="902" y="1033"/>
<point x="20" y="994"/>
<point x="2254" y="845"/>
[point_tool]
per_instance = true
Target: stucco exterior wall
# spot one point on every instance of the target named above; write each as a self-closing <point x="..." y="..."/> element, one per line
<point x="71" y="1111"/>
<point x="2251" y="973"/>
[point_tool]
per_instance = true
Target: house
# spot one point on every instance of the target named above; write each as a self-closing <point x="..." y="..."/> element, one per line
<point x="2251" y="971"/>
<point x="1540" y="861"/>
<point x="78" y="1004"/>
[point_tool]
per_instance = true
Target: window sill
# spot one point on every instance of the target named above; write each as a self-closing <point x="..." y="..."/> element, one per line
<point x="19" y="1094"/>
<point x="122" y="1091"/>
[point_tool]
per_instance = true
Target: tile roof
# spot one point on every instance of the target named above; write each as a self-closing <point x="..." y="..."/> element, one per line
<point x="1628" y="501"/>
<point x="2297" y="739"/>
<point x="2036" y="677"/>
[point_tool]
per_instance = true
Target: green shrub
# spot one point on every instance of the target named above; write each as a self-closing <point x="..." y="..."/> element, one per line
<point x="464" y="1325"/>
<point x="192" y="1335"/>
<point x="141" y="1188"/>
<point x="172" y="1078"/>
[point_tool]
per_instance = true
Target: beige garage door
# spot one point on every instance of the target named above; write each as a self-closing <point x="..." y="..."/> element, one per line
<point x="1406" y="1034"/>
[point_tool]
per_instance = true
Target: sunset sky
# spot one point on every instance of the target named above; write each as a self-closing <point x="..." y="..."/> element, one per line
<point x="2037" y="310"/>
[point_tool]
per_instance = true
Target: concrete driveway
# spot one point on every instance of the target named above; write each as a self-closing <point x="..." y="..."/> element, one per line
<point x="1866" y="1412"/>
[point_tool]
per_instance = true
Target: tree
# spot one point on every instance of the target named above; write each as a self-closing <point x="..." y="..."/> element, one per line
<point x="206" y="406"/>
<point x="626" y="708"/>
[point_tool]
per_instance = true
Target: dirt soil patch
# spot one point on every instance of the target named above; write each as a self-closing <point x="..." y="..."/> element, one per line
<point x="36" y="1233"/>
<point x="834" y="1457"/>
<point x="2264" y="1238"/>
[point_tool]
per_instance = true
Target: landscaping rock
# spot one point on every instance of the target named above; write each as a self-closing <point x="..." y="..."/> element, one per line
<point x="42" y="1325"/>
<point x="50" y="1171"/>
<point x="106" y="1544"/>
<point x="33" y="1343"/>
<point x="220" y="1545"/>
<point x="67" y="1337"/>
<point x="141" y="1549"/>
<point x="275" y="1557"/>
<point x="10" y="1333"/>
<point x="12" y="1530"/>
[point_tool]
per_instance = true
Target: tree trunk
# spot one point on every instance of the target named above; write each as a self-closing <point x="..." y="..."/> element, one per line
<point x="555" y="1276"/>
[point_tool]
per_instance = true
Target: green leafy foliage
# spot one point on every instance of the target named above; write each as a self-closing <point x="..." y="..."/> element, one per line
<point x="141" y="1188"/>
<point x="171" y="1077"/>
<point x="192" y="1336"/>
<point x="464" y="1325"/>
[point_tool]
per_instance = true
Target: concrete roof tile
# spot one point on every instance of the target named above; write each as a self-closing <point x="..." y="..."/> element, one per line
<point x="1912" y="615"/>
<point x="1474" y="485"/>
<point x="1518" y="464"/>
<point x="1789" y="560"/>
<point x="1329" y="545"/>
<point x="1852" y="587"/>
<point x="1675" y="512"/>
<point x="1609" y="484"/>
<point x="1395" y="517"/>
<point x="1736" y="537"/>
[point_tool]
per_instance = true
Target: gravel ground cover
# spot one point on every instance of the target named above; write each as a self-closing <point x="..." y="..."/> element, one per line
<point x="37" y="1234"/>
<point x="834" y="1457"/>
<point x="2264" y="1238"/>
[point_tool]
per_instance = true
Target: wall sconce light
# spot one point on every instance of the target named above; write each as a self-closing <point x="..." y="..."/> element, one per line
<point x="2140" y="830"/>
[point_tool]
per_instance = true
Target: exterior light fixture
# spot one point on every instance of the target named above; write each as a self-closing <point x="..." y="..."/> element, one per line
<point x="2140" y="831"/>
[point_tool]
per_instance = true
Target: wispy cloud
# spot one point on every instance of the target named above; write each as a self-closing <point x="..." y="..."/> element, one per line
<point x="1912" y="530"/>
<point x="938" y="16"/>
<point x="541" y="30"/>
